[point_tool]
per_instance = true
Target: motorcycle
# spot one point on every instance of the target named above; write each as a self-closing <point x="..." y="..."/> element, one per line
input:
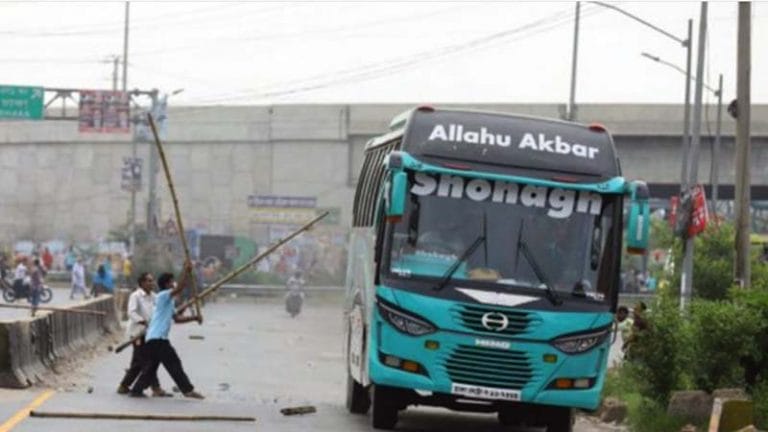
<point x="11" y="293"/>
<point x="295" y="296"/>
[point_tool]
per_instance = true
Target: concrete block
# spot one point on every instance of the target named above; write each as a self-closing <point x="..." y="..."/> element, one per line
<point x="731" y="415"/>
<point x="692" y="405"/>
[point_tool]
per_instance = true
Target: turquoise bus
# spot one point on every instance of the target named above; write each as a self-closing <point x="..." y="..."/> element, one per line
<point x="483" y="267"/>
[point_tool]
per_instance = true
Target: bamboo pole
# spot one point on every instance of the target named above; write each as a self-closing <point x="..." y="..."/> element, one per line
<point x="54" y="309"/>
<point x="233" y="274"/>
<point x="179" y="224"/>
<point x="120" y="416"/>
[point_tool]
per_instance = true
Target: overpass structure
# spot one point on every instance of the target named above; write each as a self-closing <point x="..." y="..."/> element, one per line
<point x="60" y="183"/>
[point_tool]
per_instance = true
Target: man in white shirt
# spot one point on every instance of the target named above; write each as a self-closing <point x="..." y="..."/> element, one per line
<point x="141" y="305"/>
<point x="20" y="278"/>
<point x="78" y="279"/>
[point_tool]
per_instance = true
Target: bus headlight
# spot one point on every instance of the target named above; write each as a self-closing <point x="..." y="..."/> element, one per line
<point x="579" y="343"/>
<point x="404" y="322"/>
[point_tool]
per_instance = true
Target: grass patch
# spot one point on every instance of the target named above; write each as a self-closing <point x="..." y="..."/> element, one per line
<point x="644" y="415"/>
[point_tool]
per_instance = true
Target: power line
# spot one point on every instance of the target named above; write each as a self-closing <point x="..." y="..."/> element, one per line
<point x="305" y="33"/>
<point x="160" y="22"/>
<point x="388" y="67"/>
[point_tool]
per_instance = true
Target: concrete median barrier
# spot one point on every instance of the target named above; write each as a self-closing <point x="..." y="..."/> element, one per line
<point x="29" y="347"/>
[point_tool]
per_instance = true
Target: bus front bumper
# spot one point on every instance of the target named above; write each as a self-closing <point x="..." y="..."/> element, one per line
<point x="448" y="365"/>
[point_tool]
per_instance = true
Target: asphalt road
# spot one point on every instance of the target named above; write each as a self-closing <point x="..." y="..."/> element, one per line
<point x="252" y="360"/>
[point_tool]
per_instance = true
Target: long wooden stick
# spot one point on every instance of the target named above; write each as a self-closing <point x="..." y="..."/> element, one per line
<point x="51" y="308"/>
<point x="233" y="274"/>
<point x="120" y="416"/>
<point x="179" y="224"/>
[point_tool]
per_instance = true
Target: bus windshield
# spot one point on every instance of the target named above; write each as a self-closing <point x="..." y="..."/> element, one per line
<point x="509" y="235"/>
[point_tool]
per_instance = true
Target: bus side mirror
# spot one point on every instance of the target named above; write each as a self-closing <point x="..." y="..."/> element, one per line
<point x="396" y="198"/>
<point x="639" y="219"/>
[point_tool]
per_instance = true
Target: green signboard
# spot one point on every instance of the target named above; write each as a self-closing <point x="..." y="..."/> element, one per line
<point x="19" y="102"/>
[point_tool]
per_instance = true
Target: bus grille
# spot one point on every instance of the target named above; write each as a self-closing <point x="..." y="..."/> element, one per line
<point x="471" y="317"/>
<point x="489" y="367"/>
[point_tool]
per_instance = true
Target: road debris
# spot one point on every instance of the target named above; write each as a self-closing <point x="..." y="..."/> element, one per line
<point x="301" y="410"/>
<point x="197" y="337"/>
<point x="121" y="416"/>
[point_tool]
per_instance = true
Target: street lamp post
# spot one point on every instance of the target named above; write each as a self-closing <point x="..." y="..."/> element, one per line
<point x="718" y="93"/>
<point x="689" y="146"/>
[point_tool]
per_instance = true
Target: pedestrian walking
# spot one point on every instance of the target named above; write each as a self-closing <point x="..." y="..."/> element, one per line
<point x="158" y="348"/>
<point x="36" y="285"/>
<point x="78" y="279"/>
<point x="141" y="305"/>
<point x="127" y="270"/>
<point x="47" y="258"/>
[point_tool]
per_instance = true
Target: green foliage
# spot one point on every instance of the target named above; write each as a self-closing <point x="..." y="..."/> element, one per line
<point x="643" y="414"/>
<point x="650" y="416"/>
<point x="661" y="353"/>
<point x="760" y="398"/>
<point x="724" y="334"/>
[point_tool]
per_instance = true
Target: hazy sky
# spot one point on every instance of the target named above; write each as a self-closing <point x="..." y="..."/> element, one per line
<point x="280" y="52"/>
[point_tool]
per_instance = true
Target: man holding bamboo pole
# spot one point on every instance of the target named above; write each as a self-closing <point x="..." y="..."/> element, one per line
<point x="158" y="348"/>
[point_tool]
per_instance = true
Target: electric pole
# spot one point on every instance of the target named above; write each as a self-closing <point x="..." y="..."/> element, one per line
<point x="115" y="66"/>
<point x="742" y="270"/>
<point x="134" y="149"/>
<point x="574" y="61"/>
<point x="716" y="150"/>
<point x="159" y="114"/>
<point x="686" y="283"/>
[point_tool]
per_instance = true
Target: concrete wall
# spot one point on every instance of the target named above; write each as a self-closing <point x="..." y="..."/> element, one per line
<point x="59" y="183"/>
<point x="31" y="347"/>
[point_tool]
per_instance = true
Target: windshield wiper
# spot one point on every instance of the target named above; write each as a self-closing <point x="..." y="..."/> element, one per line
<point x="522" y="246"/>
<point x="455" y="266"/>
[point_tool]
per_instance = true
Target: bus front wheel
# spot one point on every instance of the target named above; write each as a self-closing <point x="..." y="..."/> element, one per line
<point x="559" y="419"/>
<point x="358" y="400"/>
<point x="385" y="409"/>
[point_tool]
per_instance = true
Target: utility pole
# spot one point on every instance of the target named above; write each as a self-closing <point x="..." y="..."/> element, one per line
<point x="159" y="114"/>
<point x="716" y="149"/>
<point x="125" y="45"/>
<point x="742" y="270"/>
<point x="115" y="66"/>
<point x="574" y="61"/>
<point x="134" y="148"/>
<point x="687" y="110"/>
<point x="686" y="283"/>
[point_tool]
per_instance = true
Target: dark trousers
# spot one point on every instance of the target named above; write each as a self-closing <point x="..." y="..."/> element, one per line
<point x="160" y="351"/>
<point x="138" y="359"/>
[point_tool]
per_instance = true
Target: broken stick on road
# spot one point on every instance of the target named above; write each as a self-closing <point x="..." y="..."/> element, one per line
<point x="119" y="416"/>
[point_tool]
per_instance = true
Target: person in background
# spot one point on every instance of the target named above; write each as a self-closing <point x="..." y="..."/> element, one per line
<point x="47" y="258"/>
<point x="70" y="258"/>
<point x="36" y="284"/>
<point x="624" y="324"/>
<point x="78" y="279"/>
<point x="127" y="270"/>
<point x="109" y="281"/>
<point x="20" y="276"/>
<point x="3" y="265"/>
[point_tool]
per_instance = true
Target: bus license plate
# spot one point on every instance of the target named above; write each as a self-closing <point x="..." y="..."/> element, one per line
<point x="485" y="392"/>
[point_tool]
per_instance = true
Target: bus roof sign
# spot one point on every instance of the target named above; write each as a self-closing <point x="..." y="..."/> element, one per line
<point x="515" y="141"/>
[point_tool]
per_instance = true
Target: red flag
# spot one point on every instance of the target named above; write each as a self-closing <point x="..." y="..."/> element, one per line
<point x="700" y="213"/>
